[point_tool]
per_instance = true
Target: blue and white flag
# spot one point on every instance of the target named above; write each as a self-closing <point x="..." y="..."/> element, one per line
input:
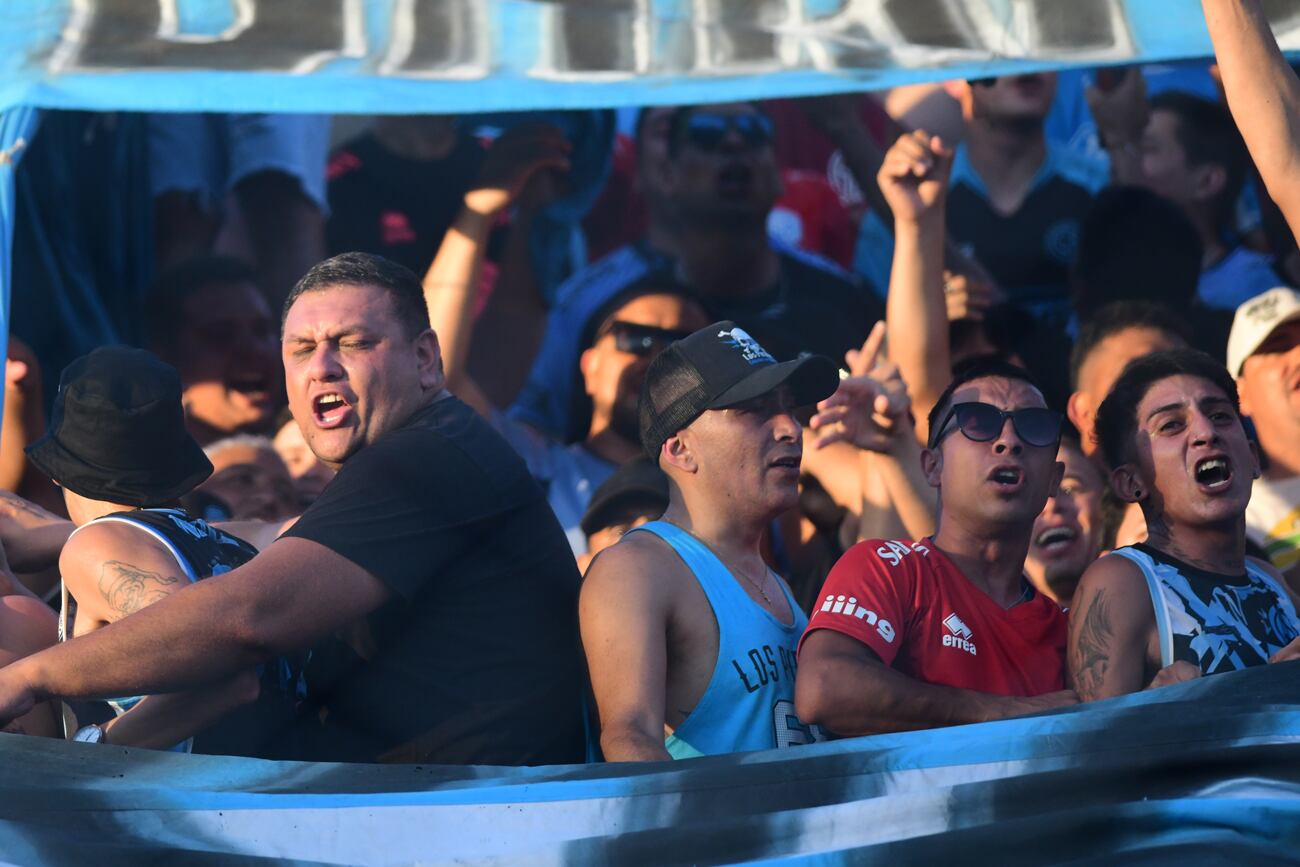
<point x="458" y="56"/>
<point x="1205" y="770"/>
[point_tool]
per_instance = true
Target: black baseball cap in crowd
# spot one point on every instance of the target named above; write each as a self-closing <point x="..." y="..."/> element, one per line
<point x="717" y="367"/>
<point x="117" y="431"/>
<point x="639" y="481"/>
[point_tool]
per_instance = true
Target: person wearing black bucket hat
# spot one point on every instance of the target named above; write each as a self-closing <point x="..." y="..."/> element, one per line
<point x="118" y="447"/>
<point x="687" y="631"/>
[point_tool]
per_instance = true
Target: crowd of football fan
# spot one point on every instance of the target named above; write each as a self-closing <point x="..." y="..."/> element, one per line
<point x="745" y="427"/>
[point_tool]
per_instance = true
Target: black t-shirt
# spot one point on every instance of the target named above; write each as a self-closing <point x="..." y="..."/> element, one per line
<point x="476" y="658"/>
<point x="1028" y="253"/>
<point x="395" y="207"/>
<point x="813" y="308"/>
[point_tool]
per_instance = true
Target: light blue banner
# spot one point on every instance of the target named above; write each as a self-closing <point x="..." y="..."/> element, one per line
<point x="457" y="56"/>
<point x="1204" y="769"/>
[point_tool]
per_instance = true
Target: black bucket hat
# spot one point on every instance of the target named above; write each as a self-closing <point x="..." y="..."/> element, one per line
<point x="117" y="431"/>
<point x="717" y="367"/>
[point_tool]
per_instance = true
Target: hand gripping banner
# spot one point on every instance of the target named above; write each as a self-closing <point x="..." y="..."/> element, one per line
<point x="1208" y="769"/>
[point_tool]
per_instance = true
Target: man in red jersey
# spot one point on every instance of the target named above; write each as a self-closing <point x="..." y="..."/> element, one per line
<point x="948" y="630"/>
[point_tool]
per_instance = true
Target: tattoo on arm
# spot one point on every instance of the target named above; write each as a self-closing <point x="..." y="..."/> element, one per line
<point x="128" y="588"/>
<point x="1090" y="651"/>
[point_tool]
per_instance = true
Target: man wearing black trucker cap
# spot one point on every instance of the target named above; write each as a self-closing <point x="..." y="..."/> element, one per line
<point x="119" y="449"/>
<point x="690" y="637"/>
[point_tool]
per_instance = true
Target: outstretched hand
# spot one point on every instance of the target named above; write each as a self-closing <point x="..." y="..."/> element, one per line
<point x="968" y="297"/>
<point x="870" y="407"/>
<point x="1121" y="112"/>
<point x="518" y="156"/>
<point x="914" y="175"/>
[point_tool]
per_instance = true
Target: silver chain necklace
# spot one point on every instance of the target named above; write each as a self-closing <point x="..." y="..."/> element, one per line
<point x="752" y="583"/>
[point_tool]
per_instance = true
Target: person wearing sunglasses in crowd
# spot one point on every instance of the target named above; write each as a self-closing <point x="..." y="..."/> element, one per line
<point x="617" y="344"/>
<point x="1187" y="601"/>
<point x="948" y="630"/>
<point x="715" y="181"/>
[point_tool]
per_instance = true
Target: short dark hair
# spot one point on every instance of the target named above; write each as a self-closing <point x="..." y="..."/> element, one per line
<point x="367" y="269"/>
<point x="977" y="368"/>
<point x="656" y="282"/>
<point x="1121" y="316"/>
<point x="1135" y="244"/>
<point x="166" y="297"/>
<point x="1116" y="422"/>
<point x="1207" y="134"/>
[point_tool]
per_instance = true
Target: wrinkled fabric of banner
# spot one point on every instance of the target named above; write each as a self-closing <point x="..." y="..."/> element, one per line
<point x="1206" y="772"/>
<point x="374" y="56"/>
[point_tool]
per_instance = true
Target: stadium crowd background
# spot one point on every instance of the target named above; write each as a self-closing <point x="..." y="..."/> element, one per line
<point x="1067" y="224"/>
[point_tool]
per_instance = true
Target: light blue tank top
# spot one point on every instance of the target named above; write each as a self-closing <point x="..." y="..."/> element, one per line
<point x="749" y="702"/>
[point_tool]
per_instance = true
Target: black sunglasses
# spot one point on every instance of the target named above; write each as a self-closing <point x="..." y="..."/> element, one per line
<point x="981" y="423"/>
<point x="641" y="339"/>
<point x="707" y="131"/>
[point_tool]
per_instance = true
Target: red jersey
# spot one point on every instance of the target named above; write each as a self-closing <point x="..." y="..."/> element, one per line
<point x="918" y="612"/>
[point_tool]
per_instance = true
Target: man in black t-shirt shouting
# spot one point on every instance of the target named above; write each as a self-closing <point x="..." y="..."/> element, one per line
<point x="432" y="550"/>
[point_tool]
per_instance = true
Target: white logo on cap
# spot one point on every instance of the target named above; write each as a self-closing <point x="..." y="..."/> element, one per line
<point x="748" y="346"/>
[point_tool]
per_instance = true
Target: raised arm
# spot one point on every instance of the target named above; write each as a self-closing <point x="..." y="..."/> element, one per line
<point x="451" y="283"/>
<point x="870" y="410"/>
<point x="623" y="615"/>
<point x="914" y="179"/>
<point x="844" y="687"/>
<point x="287" y="597"/>
<point x="1263" y="94"/>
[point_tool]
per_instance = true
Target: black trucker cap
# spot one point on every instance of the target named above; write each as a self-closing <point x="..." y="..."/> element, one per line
<point x="717" y="367"/>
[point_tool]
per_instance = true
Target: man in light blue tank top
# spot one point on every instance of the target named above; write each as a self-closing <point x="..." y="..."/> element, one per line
<point x="690" y="637"/>
<point x="1188" y="601"/>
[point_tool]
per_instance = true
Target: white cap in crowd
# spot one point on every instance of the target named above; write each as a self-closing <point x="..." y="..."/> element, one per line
<point x="1255" y="321"/>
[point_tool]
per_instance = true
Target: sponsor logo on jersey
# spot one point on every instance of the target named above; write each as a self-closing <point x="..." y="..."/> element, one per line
<point x="849" y="607"/>
<point x="894" y="552"/>
<point x="958" y="635"/>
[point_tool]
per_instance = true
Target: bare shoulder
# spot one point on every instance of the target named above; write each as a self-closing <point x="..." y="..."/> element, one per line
<point x="1112" y="595"/>
<point x="98" y="543"/>
<point x="641" y="566"/>
<point x="1113" y="572"/>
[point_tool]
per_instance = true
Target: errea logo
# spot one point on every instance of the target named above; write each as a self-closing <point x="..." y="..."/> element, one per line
<point x="958" y="635"/>
<point x="850" y="608"/>
<point x="748" y="346"/>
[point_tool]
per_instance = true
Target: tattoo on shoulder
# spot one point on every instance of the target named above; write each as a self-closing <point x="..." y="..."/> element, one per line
<point x="1090" y="650"/>
<point x="129" y="588"/>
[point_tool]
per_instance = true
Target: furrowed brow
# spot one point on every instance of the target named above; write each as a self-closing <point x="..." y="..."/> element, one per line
<point x="1169" y="407"/>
